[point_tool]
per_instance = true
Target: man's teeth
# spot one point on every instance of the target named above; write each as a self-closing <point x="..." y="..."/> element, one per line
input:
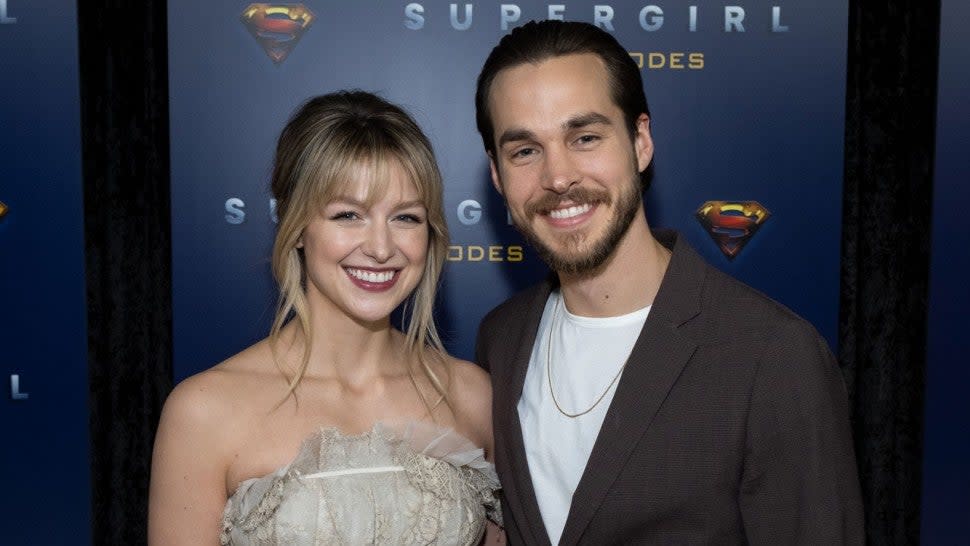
<point x="570" y="212"/>
<point x="371" y="276"/>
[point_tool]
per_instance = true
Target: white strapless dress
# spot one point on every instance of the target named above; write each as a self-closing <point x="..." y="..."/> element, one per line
<point x="412" y="484"/>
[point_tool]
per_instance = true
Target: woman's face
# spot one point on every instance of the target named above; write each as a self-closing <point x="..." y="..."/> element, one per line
<point x="363" y="261"/>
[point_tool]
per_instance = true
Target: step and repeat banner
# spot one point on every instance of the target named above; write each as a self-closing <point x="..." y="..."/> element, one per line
<point x="946" y="442"/>
<point x="43" y="335"/>
<point x="747" y="100"/>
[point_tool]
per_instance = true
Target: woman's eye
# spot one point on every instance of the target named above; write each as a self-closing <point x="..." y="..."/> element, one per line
<point x="410" y="218"/>
<point x="345" y="215"/>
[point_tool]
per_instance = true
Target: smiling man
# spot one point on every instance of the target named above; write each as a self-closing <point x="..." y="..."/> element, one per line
<point x="640" y="395"/>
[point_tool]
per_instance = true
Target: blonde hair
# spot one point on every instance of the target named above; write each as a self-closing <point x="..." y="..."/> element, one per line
<point x="330" y="140"/>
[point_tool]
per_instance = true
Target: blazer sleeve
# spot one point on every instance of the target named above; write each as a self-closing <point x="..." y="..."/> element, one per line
<point x="799" y="482"/>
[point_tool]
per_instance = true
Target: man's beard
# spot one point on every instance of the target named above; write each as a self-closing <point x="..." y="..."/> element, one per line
<point x="586" y="261"/>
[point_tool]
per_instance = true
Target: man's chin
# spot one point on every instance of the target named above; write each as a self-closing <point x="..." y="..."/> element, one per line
<point x="568" y="259"/>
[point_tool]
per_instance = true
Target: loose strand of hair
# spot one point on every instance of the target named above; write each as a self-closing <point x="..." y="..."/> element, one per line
<point x="292" y="304"/>
<point x="424" y="345"/>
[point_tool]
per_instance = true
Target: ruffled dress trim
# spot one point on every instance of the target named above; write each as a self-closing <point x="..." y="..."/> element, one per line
<point x="427" y="454"/>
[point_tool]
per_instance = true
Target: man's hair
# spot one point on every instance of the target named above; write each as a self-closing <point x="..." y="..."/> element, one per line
<point x="535" y="42"/>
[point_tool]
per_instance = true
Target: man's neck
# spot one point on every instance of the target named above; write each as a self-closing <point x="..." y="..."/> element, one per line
<point x="627" y="281"/>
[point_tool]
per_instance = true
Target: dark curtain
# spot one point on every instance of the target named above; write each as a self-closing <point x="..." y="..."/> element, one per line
<point x="891" y="97"/>
<point x="890" y="132"/>
<point x="124" y="117"/>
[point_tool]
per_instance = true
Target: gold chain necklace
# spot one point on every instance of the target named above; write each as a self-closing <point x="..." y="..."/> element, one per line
<point x="552" y="327"/>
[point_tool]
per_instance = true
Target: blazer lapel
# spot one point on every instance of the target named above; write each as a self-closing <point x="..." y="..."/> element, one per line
<point x="519" y="493"/>
<point x="656" y="361"/>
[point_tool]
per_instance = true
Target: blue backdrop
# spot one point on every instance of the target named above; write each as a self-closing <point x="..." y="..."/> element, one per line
<point x="44" y="458"/>
<point x="946" y="447"/>
<point x="747" y="104"/>
<point x="746" y="108"/>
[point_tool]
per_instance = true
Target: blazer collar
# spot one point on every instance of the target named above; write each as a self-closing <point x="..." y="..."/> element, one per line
<point x="520" y="494"/>
<point x="656" y="361"/>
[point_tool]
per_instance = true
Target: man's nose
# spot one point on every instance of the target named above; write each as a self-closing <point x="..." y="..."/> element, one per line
<point x="560" y="170"/>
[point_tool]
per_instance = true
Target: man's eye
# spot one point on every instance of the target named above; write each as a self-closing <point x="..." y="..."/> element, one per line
<point x="523" y="152"/>
<point x="587" y="139"/>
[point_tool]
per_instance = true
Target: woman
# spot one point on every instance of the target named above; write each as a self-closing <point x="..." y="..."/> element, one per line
<point x="337" y="428"/>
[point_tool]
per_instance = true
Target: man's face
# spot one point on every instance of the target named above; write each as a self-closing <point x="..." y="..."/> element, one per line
<point x="564" y="159"/>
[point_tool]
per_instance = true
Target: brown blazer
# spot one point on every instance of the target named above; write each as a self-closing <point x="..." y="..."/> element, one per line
<point x="729" y="424"/>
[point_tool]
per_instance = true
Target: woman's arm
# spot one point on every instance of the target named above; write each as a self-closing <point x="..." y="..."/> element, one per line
<point x="472" y="396"/>
<point x="188" y="481"/>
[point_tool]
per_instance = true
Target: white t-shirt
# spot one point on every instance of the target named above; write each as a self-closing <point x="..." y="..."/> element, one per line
<point x="586" y="354"/>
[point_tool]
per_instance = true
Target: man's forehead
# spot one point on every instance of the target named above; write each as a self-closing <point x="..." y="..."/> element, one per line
<point x="551" y="93"/>
<point x="588" y="64"/>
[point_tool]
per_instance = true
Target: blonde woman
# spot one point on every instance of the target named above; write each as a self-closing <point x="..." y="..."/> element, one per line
<point x="337" y="428"/>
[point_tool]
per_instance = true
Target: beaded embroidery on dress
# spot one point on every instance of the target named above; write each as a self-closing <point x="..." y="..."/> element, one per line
<point x="414" y="484"/>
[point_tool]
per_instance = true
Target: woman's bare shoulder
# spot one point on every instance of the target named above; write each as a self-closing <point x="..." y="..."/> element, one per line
<point x="470" y="394"/>
<point x="469" y="379"/>
<point x="223" y="393"/>
<point x="203" y="423"/>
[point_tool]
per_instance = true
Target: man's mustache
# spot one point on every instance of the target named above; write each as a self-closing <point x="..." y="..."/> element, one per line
<point x="576" y="195"/>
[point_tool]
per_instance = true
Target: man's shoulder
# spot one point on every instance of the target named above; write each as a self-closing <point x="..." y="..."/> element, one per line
<point x="507" y="321"/>
<point x="725" y="291"/>
<point x="516" y="307"/>
<point x="730" y="296"/>
<point x="787" y="349"/>
<point x="733" y="310"/>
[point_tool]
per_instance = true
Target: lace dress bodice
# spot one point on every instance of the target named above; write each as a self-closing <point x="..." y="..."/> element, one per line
<point x="413" y="484"/>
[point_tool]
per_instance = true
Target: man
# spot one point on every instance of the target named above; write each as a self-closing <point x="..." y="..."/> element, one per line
<point x="640" y="395"/>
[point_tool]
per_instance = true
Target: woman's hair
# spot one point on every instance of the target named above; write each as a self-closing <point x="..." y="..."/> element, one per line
<point x="331" y="141"/>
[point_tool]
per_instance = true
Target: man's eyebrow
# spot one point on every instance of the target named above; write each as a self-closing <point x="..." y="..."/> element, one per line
<point x="575" y="122"/>
<point x="515" y="135"/>
<point x="583" y="120"/>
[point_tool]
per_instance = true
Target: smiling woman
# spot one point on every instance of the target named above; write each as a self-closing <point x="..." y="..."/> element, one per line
<point x="379" y="248"/>
<point x="337" y="428"/>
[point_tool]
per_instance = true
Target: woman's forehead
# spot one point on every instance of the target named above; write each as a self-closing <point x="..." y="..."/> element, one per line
<point x="369" y="181"/>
